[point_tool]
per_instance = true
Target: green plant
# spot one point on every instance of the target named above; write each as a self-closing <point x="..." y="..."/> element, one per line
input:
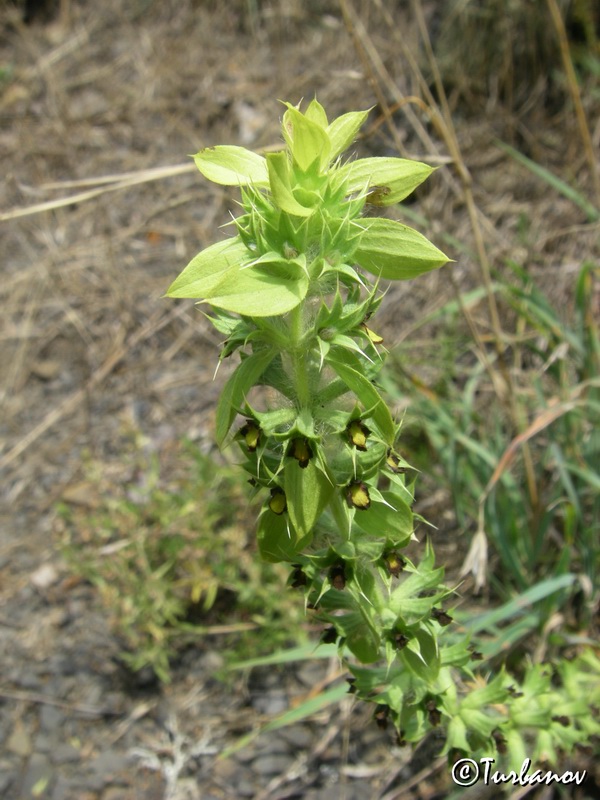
<point x="557" y="392"/>
<point x="293" y="292"/>
<point x="168" y="574"/>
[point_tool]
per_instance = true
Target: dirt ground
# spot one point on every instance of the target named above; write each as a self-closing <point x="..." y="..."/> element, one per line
<point x="100" y="208"/>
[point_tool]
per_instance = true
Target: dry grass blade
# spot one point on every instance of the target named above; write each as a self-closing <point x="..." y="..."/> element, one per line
<point x="584" y="130"/>
<point x="547" y="417"/>
<point x="116" y="183"/>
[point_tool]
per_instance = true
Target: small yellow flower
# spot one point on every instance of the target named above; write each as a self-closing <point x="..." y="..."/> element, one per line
<point x="277" y="503"/>
<point x="358" y="433"/>
<point x="251" y="434"/>
<point x="301" y="450"/>
<point x="357" y="496"/>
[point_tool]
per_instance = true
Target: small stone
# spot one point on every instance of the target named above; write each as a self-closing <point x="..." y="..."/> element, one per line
<point x="45" y="576"/>
<point x="210" y="662"/>
<point x="246" y="789"/>
<point x="65" y="789"/>
<point x="113" y="793"/>
<point x="225" y="770"/>
<point x="269" y="745"/>
<point x="298" y="736"/>
<point x="19" y="741"/>
<point x="44" y="743"/>
<point x="7" y="778"/>
<point x="109" y="763"/>
<point x="65" y="753"/>
<point x="26" y="680"/>
<point x="51" y="718"/>
<point x="272" y="765"/>
<point x="275" y="702"/>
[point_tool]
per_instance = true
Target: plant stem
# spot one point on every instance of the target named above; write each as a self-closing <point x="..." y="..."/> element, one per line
<point x="339" y="515"/>
<point x="298" y="354"/>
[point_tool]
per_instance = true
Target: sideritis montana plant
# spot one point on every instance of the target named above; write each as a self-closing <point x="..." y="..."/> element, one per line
<point x="294" y="292"/>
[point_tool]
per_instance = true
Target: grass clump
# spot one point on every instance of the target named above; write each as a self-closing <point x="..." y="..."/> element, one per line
<point x="513" y="55"/>
<point x="174" y="561"/>
<point x="549" y="528"/>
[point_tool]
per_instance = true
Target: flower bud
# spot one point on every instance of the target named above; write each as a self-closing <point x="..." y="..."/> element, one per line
<point x="251" y="434"/>
<point x="358" y="434"/>
<point x="277" y="503"/>
<point x="357" y="495"/>
<point x="301" y="450"/>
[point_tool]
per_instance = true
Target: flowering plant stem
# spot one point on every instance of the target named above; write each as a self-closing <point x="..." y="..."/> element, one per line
<point x="293" y="292"/>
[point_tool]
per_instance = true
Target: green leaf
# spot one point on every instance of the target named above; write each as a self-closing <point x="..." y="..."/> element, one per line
<point x="393" y="521"/>
<point x="456" y="736"/>
<point x="342" y="132"/>
<point x="362" y="638"/>
<point x="208" y="268"/>
<point x="232" y="166"/>
<point x="316" y="113"/>
<point x="396" y="178"/>
<point x="416" y="661"/>
<point x="406" y="600"/>
<point x="234" y="392"/>
<point x="350" y="370"/>
<point x="281" y="189"/>
<point x="256" y="292"/>
<point x="306" y="139"/>
<point x="307" y="492"/>
<point x="277" y="539"/>
<point x="394" y="251"/>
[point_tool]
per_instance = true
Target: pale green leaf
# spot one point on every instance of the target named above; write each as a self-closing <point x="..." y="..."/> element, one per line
<point x="355" y="625"/>
<point x="233" y="396"/>
<point x="208" y="268"/>
<point x="316" y="113"/>
<point x="307" y="492"/>
<point x="391" y="179"/>
<point x="229" y="165"/>
<point x="394" y="251"/>
<point x="279" y="180"/>
<point x="350" y="370"/>
<point x="392" y="519"/>
<point x="258" y="292"/>
<point x="277" y="539"/>
<point x="343" y="130"/>
<point x="306" y="139"/>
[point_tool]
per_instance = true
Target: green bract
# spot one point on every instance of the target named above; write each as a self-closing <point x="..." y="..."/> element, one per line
<point x="292" y="292"/>
<point x="303" y="230"/>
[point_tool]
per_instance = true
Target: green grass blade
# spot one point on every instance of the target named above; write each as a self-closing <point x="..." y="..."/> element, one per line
<point x="305" y="652"/>
<point x="518" y="605"/>
<point x="591" y="212"/>
<point x="311" y="706"/>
